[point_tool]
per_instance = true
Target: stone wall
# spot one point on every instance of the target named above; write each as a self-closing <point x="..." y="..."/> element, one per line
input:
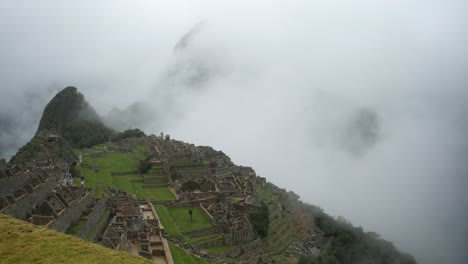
<point x="207" y="214"/>
<point x="210" y="244"/>
<point x="24" y="205"/>
<point x="100" y="228"/>
<point x="71" y="214"/>
<point x="10" y="184"/>
<point x="93" y="218"/>
<point x="202" y="232"/>
<point x="239" y="236"/>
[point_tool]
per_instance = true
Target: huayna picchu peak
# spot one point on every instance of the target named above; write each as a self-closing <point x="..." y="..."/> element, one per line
<point x="161" y="199"/>
<point x="71" y="116"/>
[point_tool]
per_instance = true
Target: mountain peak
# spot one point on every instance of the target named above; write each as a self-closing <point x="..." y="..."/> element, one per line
<point x="69" y="114"/>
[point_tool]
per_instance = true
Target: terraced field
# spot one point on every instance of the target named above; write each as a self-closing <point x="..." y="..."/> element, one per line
<point x="183" y="257"/>
<point x="118" y="170"/>
<point x="279" y="233"/>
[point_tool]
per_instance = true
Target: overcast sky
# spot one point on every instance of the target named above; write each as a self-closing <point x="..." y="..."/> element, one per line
<point x="359" y="107"/>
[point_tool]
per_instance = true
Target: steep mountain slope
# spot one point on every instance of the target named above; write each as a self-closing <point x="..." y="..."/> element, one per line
<point x="70" y="115"/>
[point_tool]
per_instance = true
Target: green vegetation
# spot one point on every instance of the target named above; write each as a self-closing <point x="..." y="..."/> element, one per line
<point x="76" y="226"/>
<point x="39" y="148"/>
<point x="129" y="133"/>
<point x="85" y="133"/>
<point x="203" y="239"/>
<point x="351" y="245"/>
<point x="177" y="220"/>
<point x="92" y="233"/>
<point x="181" y="217"/>
<point x="260" y="220"/>
<point x="22" y="242"/>
<point x="144" y="166"/>
<point x="181" y="256"/>
<point x="142" y="152"/>
<point x="218" y="249"/>
<point x="189" y="186"/>
<point x="71" y="116"/>
<point x="170" y="226"/>
<point x="98" y="172"/>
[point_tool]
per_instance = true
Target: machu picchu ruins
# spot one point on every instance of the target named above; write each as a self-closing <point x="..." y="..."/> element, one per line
<point x="159" y="198"/>
<point x="67" y="198"/>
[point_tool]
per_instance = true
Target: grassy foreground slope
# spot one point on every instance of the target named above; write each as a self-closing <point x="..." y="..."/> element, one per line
<point x="22" y="242"/>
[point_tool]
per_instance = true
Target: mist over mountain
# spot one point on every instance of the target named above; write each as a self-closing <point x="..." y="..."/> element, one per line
<point x="69" y="114"/>
<point x="358" y="107"/>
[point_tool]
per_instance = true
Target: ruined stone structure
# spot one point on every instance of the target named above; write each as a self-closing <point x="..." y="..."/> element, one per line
<point x="37" y="194"/>
<point x="220" y="184"/>
<point x="135" y="228"/>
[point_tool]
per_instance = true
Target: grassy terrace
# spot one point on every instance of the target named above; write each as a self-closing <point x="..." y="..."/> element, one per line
<point x="279" y="233"/>
<point x="218" y="249"/>
<point x="166" y="219"/>
<point x="182" y="218"/>
<point x="97" y="171"/>
<point x="177" y="220"/>
<point x="183" y="257"/>
<point x="22" y="242"/>
<point x="203" y="239"/>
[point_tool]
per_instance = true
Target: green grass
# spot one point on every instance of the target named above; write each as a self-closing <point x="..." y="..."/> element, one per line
<point x="181" y="217"/>
<point x="203" y="239"/>
<point x="120" y="162"/>
<point x="142" y="190"/>
<point x="217" y="249"/>
<point x="99" y="147"/>
<point x="22" y="242"/>
<point x="156" y="168"/>
<point x="142" y="152"/>
<point x="171" y="217"/>
<point x="93" y="230"/>
<point x="167" y="221"/>
<point x="158" y="193"/>
<point x="181" y="256"/>
<point x="111" y="162"/>
<point x="76" y="227"/>
<point x="76" y="151"/>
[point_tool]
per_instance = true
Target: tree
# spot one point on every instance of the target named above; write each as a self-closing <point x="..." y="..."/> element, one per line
<point x="260" y="220"/>
<point x="189" y="186"/>
<point x="144" y="166"/>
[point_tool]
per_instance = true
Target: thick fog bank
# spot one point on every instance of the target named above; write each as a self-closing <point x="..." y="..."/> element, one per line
<point x="359" y="107"/>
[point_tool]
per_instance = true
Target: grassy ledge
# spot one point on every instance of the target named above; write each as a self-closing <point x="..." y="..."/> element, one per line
<point x="22" y="242"/>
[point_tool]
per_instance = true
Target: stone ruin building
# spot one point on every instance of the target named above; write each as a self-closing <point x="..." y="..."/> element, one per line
<point x="225" y="195"/>
<point x="135" y="228"/>
<point x="37" y="194"/>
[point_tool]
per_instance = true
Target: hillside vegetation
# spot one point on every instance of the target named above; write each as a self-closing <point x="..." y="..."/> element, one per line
<point x="70" y="115"/>
<point x="22" y="242"/>
<point x="39" y="148"/>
